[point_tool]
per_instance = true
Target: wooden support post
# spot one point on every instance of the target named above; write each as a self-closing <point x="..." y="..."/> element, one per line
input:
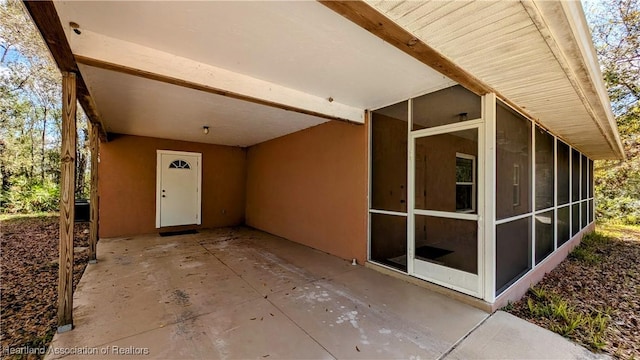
<point x="94" y="144"/>
<point x="67" y="202"/>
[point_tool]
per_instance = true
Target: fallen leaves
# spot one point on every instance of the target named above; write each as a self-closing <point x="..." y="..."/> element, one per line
<point x="29" y="278"/>
<point x="607" y="281"/>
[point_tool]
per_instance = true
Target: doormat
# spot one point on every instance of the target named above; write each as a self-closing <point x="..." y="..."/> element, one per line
<point x="178" y="232"/>
<point x="429" y="252"/>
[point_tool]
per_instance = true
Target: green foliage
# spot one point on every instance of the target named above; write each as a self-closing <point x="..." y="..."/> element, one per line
<point x="538" y="292"/>
<point x="23" y="198"/>
<point x="585" y="255"/>
<point x="596" y="327"/>
<point x="30" y="119"/>
<point x="590" y="248"/>
<point x="508" y="307"/>
<point x="615" y="26"/>
<point x="617" y="183"/>
<point x="566" y="319"/>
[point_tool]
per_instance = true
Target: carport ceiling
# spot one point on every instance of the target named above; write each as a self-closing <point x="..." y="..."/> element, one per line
<point x="151" y="108"/>
<point x="301" y="52"/>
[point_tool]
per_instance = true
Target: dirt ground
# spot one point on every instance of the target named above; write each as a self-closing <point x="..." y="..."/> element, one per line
<point x="593" y="297"/>
<point x="29" y="279"/>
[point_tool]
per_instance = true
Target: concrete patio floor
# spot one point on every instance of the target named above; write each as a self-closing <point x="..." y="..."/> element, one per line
<point x="240" y="293"/>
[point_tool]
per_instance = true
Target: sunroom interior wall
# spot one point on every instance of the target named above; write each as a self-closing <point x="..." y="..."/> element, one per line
<point x="388" y="168"/>
<point x="435" y="190"/>
<point x="388" y="154"/>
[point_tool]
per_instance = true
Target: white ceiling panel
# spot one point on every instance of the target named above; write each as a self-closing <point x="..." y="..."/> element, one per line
<point x="137" y="106"/>
<point x="302" y="45"/>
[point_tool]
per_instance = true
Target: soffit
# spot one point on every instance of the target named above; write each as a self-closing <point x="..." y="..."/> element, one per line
<point x="500" y="43"/>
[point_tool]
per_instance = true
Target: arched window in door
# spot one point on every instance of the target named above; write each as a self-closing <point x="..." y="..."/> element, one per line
<point x="179" y="164"/>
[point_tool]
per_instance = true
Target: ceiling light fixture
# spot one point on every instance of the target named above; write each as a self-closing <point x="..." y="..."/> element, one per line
<point x="205" y="129"/>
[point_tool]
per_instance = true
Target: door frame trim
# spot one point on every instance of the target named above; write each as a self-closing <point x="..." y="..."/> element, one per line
<point x="478" y="124"/>
<point x="159" y="154"/>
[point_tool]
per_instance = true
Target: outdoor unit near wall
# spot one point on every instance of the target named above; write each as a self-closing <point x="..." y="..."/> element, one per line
<point x="82" y="210"/>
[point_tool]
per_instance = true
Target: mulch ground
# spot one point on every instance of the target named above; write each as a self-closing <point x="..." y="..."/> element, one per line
<point x="29" y="279"/>
<point x="602" y="277"/>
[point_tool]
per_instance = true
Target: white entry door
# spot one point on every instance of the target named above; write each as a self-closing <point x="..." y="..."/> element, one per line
<point x="178" y="188"/>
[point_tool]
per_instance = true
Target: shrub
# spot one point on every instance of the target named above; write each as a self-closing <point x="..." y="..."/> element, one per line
<point x="26" y="198"/>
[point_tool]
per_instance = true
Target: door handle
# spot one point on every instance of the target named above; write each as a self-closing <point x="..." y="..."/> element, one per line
<point x="164" y="196"/>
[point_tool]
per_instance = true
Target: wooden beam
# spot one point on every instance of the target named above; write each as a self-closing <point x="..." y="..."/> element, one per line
<point x="44" y="15"/>
<point x="144" y="62"/>
<point x="94" y="216"/>
<point x="260" y="90"/>
<point x="90" y="108"/>
<point x="368" y="18"/>
<point x="67" y="202"/>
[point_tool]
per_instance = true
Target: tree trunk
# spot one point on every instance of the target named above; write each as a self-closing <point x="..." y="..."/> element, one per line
<point x="80" y="170"/>
<point x="44" y="133"/>
<point x="33" y="155"/>
<point x="4" y="171"/>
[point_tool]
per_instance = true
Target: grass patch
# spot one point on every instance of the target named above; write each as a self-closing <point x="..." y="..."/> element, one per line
<point x="9" y="217"/>
<point x="620" y="231"/>
<point x="565" y="319"/>
<point x="586" y="255"/>
<point x="592" y="248"/>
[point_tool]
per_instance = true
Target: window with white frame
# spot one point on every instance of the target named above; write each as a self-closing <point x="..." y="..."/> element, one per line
<point x="465" y="183"/>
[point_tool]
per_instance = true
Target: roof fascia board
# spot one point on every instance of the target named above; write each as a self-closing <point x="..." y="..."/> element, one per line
<point x="553" y="19"/>
<point x="578" y="22"/>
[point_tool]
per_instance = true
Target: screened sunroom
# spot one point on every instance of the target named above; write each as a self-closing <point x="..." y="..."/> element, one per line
<point x="469" y="194"/>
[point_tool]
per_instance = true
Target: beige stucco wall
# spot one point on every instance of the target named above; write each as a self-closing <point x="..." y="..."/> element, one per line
<point x="127" y="183"/>
<point x="311" y="187"/>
